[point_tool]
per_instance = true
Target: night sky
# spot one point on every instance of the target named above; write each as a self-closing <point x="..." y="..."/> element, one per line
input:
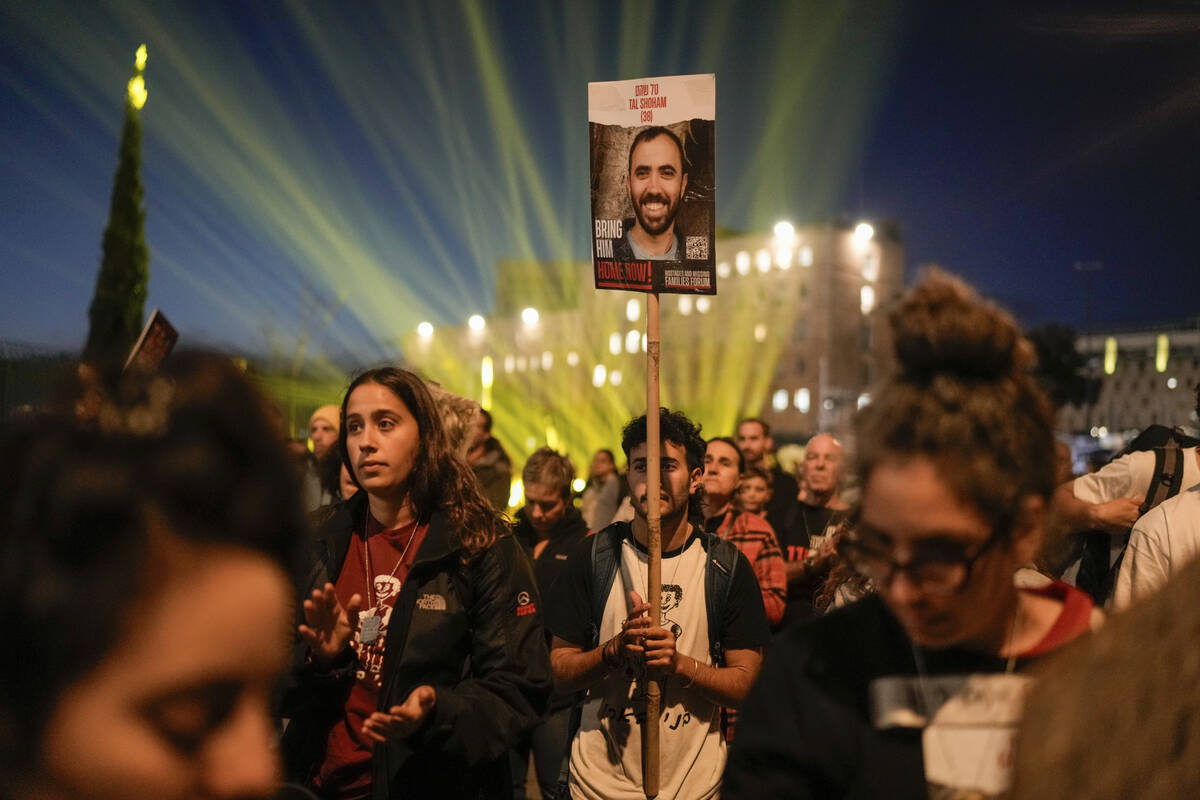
<point x="328" y="175"/>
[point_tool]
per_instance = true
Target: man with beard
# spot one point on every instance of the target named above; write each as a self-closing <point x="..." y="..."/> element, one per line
<point x="657" y="180"/>
<point x="604" y="642"/>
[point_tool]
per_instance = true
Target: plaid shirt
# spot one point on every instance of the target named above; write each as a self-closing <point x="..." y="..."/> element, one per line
<point x="755" y="537"/>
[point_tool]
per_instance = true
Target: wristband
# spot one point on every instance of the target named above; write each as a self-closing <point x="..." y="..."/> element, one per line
<point x="616" y="662"/>
<point x="695" y="672"/>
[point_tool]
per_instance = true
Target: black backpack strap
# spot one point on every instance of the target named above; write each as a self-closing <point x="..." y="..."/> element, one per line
<point x="606" y="556"/>
<point x="1167" y="481"/>
<point x="718" y="577"/>
<point x="1168" y="477"/>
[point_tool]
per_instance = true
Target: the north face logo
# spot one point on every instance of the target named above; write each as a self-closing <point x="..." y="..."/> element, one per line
<point x="431" y="602"/>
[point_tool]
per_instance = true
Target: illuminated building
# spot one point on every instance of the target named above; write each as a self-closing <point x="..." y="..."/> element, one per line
<point x="1147" y="376"/>
<point x="795" y="335"/>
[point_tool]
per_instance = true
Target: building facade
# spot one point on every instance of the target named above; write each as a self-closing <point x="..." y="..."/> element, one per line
<point x="795" y="335"/>
<point x="1146" y="376"/>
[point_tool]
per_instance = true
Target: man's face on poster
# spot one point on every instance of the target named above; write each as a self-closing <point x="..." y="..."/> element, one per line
<point x="656" y="183"/>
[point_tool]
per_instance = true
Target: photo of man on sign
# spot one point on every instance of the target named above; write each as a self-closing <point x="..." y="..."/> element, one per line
<point x="658" y="177"/>
<point x="652" y="156"/>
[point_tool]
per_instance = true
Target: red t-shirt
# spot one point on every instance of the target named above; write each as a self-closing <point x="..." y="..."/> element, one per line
<point x="346" y="772"/>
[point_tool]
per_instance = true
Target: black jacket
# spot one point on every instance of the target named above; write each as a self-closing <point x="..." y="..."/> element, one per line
<point x="470" y="638"/>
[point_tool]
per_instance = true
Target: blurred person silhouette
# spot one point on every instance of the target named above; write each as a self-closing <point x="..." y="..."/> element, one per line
<point x="915" y="691"/>
<point x="146" y="559"/>
<point x="421" y="656"/>
<point x="602" y="493"/>
<point x="550" y="529"/>
<point x="1116" y="715"/>
<point x="490" y="462"/>
<point x="754" y="491"/>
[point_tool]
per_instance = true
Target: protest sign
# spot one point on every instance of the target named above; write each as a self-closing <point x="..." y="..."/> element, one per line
<point x="653" y="148"/>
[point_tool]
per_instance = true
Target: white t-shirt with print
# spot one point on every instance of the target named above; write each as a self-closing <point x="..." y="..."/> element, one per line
<point x="606" y="761"/>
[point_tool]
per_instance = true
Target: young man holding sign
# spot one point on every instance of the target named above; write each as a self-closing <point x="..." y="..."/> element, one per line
<point x="707" y="651"/>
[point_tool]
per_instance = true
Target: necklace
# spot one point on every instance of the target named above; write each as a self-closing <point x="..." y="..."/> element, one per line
<point x="372" y="624"/>
<point x="932" y="733"/>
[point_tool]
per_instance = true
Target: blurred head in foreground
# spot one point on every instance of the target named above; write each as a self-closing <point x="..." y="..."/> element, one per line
<point x="956" y="461"/>
<point x="145" y="562"/>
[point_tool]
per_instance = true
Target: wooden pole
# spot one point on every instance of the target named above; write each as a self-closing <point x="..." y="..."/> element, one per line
<point x="650" y="751"/>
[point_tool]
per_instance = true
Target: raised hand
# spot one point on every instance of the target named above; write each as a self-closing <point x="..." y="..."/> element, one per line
<point x="328" y="624"/>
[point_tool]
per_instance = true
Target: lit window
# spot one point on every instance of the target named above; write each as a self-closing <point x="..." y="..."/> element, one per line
<point x="806" y="257"/>
<point x="763" y="259"/>
<point x="599" y="374"/>
<point x="547" y="360"/>
<point x="703" y="304"/>
<point x="643" y="342"/>
<point x="779" y="400"/>
<point x="803" y="401"/>
<point x="760" y="332"/>
<point x="867" y="299"/>
<point x="572" y="359"/>
<point x="633" y="310"/>
<point x="685" y="304"/>
<point x="783" y="257"/>
<point x="742" y="260"/>
<point x="510" y="363"/>
<point x="723" y="269"/>
<point x="870" y="267"/>
<point x="614" y="377"/>
<point x="614" y="343"/>
<point x="632" y="340"/>
<point x="864" y="400"/>
<point x="863" y="233"/>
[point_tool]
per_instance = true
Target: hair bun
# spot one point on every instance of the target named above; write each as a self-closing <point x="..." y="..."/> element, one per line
<point x="942" y="327"/>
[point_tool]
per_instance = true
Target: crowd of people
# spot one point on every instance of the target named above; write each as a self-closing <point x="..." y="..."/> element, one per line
<point x="199" y="608"/>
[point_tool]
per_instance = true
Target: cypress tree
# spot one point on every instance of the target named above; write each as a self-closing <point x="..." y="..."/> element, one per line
<point x="115" y="315"/>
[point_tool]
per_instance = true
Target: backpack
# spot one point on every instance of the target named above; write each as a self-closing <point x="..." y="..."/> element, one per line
<point x="718" y="577"/>
<point x="1097" y="570"/>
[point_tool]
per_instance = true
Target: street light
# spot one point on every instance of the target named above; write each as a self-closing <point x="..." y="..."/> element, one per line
<point x="476" y="322"/>
<point x="530" y="317"/>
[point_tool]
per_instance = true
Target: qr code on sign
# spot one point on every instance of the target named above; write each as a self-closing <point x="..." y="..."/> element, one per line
<point x="697" y="247"/>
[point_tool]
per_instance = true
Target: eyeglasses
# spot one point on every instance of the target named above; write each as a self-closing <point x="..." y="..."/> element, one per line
<point x="937" y="573"/>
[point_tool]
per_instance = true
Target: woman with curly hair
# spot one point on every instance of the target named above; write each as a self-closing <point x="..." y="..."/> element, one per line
<point x="915" y="691"/>
<point x="422" y="655"/>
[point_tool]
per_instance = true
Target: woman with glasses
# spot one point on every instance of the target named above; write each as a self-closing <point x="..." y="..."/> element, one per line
<point x="916" y="690"/>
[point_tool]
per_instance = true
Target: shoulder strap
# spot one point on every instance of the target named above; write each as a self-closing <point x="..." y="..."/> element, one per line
<point x="606" y="553"/>
<point x="718" y="577"/>
<point x="1168" y="477"/>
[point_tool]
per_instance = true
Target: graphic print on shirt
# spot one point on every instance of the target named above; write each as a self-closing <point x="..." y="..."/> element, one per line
<point x="672" y="596"/>
<point x="968" y="727"/>
<point x="370" y="655"/>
